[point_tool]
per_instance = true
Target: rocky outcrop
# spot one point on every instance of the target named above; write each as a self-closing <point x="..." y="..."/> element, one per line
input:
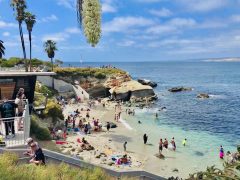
<point x="203" y="96"/>
<point x="147" y="82"/>
<point x="98" y="91"/>
<point x="180" y="89"/>
<point x="131" y="90"/>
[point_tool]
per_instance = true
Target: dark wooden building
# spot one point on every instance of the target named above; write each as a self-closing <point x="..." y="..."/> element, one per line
<point x="11" y="82"/>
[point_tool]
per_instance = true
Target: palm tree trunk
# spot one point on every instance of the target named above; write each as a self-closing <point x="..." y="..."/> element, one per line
<point x="52" y="76"/>
<point x="52" y="63"/>
<point x="23" y="46"/>
<point x="30" y="41"/>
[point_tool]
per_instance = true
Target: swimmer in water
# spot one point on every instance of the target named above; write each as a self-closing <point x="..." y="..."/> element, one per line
<point x="184" y="142"/>
<point x="139" y="122"/>
<point x="221" y="152"/>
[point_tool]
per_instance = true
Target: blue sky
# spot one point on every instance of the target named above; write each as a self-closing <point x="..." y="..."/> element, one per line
<point x="132" y="30"/>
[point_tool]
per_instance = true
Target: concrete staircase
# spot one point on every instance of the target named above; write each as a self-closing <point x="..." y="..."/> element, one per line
<point x="80" y="92"/>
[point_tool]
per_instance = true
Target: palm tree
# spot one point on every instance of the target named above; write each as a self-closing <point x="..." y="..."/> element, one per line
<point x="2" y="49"/>
<point x="30" y="20"/>
<point x="50" y="48"/>
<point x="19" y="7"/>
<point x="89" y="18"/>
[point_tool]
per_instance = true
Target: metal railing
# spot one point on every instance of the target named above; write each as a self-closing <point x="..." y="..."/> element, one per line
<point x="15" y="130"/>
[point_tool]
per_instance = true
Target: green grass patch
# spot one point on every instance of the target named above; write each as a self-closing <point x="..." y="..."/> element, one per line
<point x="11" y="170"/>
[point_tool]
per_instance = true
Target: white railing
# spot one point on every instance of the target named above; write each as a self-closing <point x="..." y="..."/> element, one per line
<point x="18" y="129"/>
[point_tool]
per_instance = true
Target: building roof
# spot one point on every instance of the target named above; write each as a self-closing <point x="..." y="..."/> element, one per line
<point x="19" y="73"/>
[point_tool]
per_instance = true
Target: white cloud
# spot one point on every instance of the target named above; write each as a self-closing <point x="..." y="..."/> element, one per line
<point x="4" y="24"/>
<point x="161" y="13"/>
<point x="6" y="34"/>
<point x="58" y="37"/>
<point x="197" y="46"/>
<point x="61" y="36"/>
<point x="235" y="18"/>
<point x="161" y="29"/>
<point x="126" y="43"/>
<point x="108" y="8"/>
<point x="73" y="30"/>
<point x="203" y="5"/>
<point x="149" y="1"/>
<point x="50" y="18"/>
<point x="11" y="44"/>
<point x="125" y="24"/>
<point x="172" y="26"/>
<point x="67" y="3"/>
<point x="182" y="22"/>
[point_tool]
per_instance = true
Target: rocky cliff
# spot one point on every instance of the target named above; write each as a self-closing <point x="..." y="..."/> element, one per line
<point x="118" y="85"/>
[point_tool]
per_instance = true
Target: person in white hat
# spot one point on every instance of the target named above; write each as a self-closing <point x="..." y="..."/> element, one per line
<point x="29" y="151"/>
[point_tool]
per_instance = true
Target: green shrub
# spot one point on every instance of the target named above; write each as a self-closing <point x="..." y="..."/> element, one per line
<point x="238" y="148"/>
<point x="99" y="75"/>
<point x="46" y="91"/>
<point x="11" y="62"/>
<point x="54" y="111"/>
<point x="41" y="133"/>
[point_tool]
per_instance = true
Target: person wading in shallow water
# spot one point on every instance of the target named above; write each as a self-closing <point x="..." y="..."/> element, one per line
<point x="125" y="146"/>
<point x="145" y="138"/>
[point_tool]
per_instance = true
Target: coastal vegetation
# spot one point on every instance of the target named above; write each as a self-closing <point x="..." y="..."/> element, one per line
<point x="15" y="61"/>
<point x="45" y="96"/>
<point x="38" y="129"/>
<point x="11" y="169"/>
<point x="99" y="73"/>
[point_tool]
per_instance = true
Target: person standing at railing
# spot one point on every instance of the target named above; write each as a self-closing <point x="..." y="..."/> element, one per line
<point x="8" y="112"/>
<point x="21" y="105"/>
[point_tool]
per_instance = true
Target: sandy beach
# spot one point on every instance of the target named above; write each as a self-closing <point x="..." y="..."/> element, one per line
<point x="110" y="144"/>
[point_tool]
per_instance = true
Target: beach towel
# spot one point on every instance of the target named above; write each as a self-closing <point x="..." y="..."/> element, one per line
<point x="61" y="142"/>
<point x="79" y="140"/>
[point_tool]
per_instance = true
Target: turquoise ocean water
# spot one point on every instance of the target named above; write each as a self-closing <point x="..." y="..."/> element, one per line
<point x="206" y="124"/>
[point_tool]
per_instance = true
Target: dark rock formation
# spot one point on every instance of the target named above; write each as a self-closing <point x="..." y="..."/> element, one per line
<point x="147" y="82"/>
<point x="203" y="96"/>
<point x="180" y="89"/>
<point x="98" y="91"/>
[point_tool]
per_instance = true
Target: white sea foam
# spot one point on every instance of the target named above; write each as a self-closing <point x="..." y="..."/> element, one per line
<point x="217" y="96"/>
<point x="125" y="124"/>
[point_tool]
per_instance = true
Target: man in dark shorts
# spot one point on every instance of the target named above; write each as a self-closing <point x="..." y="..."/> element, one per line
<point x="8" y="110"/>
<point x="38" y="158"/>
<point x="108" y="126"/>
<point x="160" y="146"/>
